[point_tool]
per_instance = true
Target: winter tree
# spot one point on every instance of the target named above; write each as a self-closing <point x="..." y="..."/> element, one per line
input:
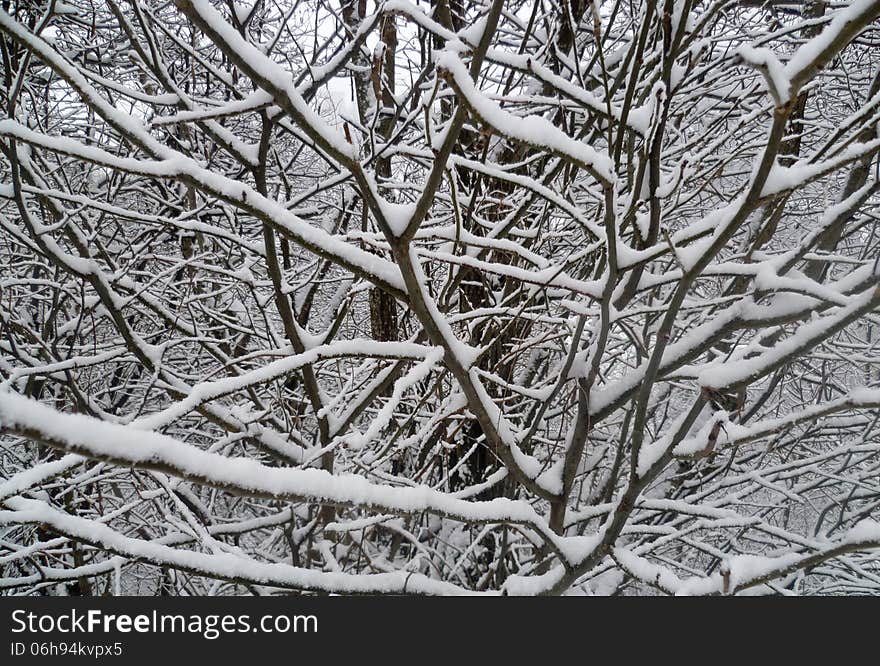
<point x="439" y="297"/>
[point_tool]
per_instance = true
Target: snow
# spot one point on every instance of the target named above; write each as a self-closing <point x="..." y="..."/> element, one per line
<point x="130" y="446"/>
<point x="206" y="391"/>
<point x="222" y="565"/>
<point x="653" y="451"/>
<point x="170" y="378"/>
<point x="647" y="571"/>
<point x="516" y="585"/>
<point x="859" y="398"/>
<point x="28" y="478"/>
<point x="810" y="52"/>
<point x="410" y="379"/>
<point x="775" y="74"/>
<point x="533" y="130"/>
<point x="866" y="531"/>
<point x="701" y="442"/>
<point x="255" y="100"/>
<point x="397" y="215"/>
<point x="722" y="374"/>
<point x="242" y="10"/>
<point x="177" y="165"/>
<point x="781" y="179"/>
<point x="274" y="75"/>
<point x="549" y="276"/>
